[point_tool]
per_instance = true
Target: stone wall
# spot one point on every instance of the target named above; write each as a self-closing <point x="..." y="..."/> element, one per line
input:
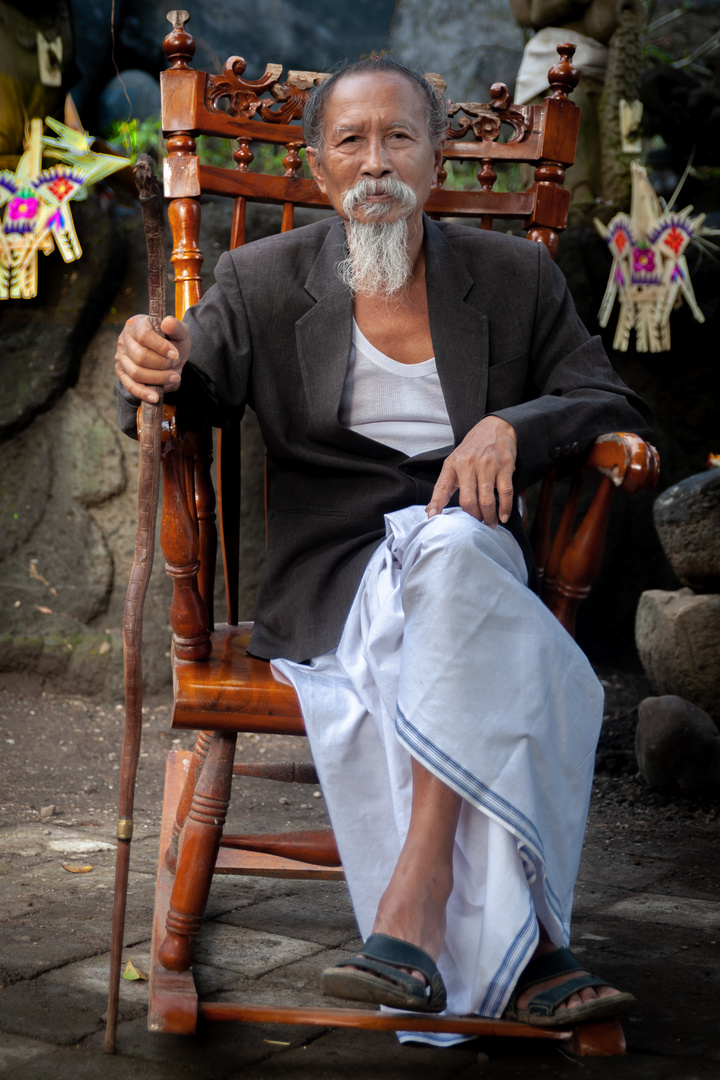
<point x="472" y="44"/>
<point x="68" y="479"/>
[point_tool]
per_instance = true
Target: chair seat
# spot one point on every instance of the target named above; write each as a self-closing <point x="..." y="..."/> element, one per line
<point x="233" y="691"/>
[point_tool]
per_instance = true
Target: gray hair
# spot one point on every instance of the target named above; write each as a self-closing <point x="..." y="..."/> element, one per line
<point x="314" y="112"/>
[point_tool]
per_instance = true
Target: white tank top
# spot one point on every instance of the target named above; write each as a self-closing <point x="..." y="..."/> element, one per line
<point x="399" y="405"/>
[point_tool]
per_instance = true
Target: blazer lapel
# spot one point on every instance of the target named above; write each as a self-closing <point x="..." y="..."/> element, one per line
<point x="324" y="338"/>
<point x="324" y="334"/>
<point x="459" y="333"/>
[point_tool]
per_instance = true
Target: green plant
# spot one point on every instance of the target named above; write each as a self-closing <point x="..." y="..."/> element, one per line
<point x="135" y="137"/>
<point x="462" y="176"/>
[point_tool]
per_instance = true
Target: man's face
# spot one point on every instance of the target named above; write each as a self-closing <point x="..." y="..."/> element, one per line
<point x="375" y="128"/>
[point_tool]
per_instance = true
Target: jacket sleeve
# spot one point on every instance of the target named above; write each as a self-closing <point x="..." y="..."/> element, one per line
<point x="573" y="393"/>
<point x="216" y="379"/>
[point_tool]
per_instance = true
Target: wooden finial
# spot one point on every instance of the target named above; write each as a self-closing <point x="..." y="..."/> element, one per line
<point x="437" y="82"/>
<point x="563" y="77"/>
<point x="179" y="45"/>
<point x="177" y="19"/>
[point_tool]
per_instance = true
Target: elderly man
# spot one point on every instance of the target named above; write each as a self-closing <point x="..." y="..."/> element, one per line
<point x="398" y="366"/>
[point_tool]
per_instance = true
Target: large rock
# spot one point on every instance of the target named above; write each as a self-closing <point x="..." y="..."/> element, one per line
<point x="470" y="48"/>
<point x="312" y="35"/>
<point x="687" y="518"/>
<point x="43" y="340"/>
<point x="57" y="568"/>
<point x="678" y="639"/>
<point x="93" y="37"/>
<point x="142" y="90"/>
<point x="677" y="747"/>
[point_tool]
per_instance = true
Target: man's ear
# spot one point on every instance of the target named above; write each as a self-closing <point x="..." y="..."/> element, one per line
<point x="312" y="156"/>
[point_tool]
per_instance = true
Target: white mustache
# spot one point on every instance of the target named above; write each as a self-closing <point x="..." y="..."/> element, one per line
<point x="398" y="191"/>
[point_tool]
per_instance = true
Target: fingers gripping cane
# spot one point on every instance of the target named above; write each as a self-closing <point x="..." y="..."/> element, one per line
<point x="151" y="201"/>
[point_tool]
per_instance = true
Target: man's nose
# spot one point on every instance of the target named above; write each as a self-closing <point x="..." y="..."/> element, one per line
<point x="377" y="160"/>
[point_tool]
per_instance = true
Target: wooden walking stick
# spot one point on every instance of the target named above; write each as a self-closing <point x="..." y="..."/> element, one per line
<point x="151" y="201"/>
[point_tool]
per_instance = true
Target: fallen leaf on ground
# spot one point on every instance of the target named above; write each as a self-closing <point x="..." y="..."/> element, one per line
<point x="34" y="573"/>
<point x="132" y="973"/>
<point x="76" y="869"/>
<point x="44" y="610"/>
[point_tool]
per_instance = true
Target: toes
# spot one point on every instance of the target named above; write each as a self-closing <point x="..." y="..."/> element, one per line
<point x="589" y="993"/>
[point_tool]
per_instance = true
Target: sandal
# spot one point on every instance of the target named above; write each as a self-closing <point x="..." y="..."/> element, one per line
<point x="375" y="974"/>
<point x="541" y="1010"/>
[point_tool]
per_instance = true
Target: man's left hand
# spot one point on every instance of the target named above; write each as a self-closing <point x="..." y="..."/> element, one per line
<point x="481" y="465"/>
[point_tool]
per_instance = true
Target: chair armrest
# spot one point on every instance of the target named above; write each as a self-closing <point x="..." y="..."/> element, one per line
<point x="625" y="459"/>
<point x="568" y="568"/>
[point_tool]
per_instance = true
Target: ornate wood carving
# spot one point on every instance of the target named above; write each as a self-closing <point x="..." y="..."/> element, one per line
<point x="287" y="99"/>
<point x="242" y="94"/>
<point x="484" y="120"/>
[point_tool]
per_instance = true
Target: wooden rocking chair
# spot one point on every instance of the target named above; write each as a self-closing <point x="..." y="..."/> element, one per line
<point x="219" y="689"/>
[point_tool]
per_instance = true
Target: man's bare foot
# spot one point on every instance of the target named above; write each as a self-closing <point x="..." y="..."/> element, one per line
<point x="411" y="910"/>
<point x="412" y="907"/>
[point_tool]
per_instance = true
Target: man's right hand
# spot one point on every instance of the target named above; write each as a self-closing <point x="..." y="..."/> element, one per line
<point x="145" y="360"/>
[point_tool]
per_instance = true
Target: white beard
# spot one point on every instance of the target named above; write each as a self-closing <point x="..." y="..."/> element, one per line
<point x="378" y="263"/>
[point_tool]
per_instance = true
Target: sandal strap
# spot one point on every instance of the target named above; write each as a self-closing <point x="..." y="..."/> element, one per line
<point x="394" y="975"/>
<point x="549" y="966"/>
<point x="388" y="956"/>
<point x="546" y="1002"/>
<point x="399" y="953"/>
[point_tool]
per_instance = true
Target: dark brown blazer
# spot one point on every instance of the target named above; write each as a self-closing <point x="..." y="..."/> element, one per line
<point x="274" y="333"/>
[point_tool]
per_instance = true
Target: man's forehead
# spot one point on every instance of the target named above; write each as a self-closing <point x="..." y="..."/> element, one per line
<point x="367" y="93"/>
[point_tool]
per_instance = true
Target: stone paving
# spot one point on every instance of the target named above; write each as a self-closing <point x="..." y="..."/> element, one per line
<point x="647" y="918"/>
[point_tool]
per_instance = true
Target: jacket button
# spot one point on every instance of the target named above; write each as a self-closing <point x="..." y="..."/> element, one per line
<point x="576" y="448"/>
<point x="556" y="452"/>
<point x="567" y="451"/>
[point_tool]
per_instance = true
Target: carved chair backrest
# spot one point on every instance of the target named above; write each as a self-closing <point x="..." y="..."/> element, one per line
<point x="268" y="111"/>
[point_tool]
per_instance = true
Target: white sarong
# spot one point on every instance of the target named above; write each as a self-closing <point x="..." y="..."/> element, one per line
<point x="448" y="656"/>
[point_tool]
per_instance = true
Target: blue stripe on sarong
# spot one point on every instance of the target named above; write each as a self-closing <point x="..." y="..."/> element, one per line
<point x="512" y="966"/>
<point x="468" y="785"/>
<point x="481" y="796"/>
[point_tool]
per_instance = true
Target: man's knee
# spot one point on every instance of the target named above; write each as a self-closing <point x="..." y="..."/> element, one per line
<point x="455" y="537"/>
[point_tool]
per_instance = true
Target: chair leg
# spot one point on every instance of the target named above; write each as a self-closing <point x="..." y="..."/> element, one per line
<point x="197" y="762"/>
<point x="197" y="852"/>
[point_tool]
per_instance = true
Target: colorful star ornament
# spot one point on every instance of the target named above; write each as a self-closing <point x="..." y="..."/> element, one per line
<point x="649" y="273"/>
<point x="36" y="201"/>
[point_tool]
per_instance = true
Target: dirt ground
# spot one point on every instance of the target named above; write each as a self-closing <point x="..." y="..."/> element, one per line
<point x="63" y="752"/>
<point x="647" y="915"/>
